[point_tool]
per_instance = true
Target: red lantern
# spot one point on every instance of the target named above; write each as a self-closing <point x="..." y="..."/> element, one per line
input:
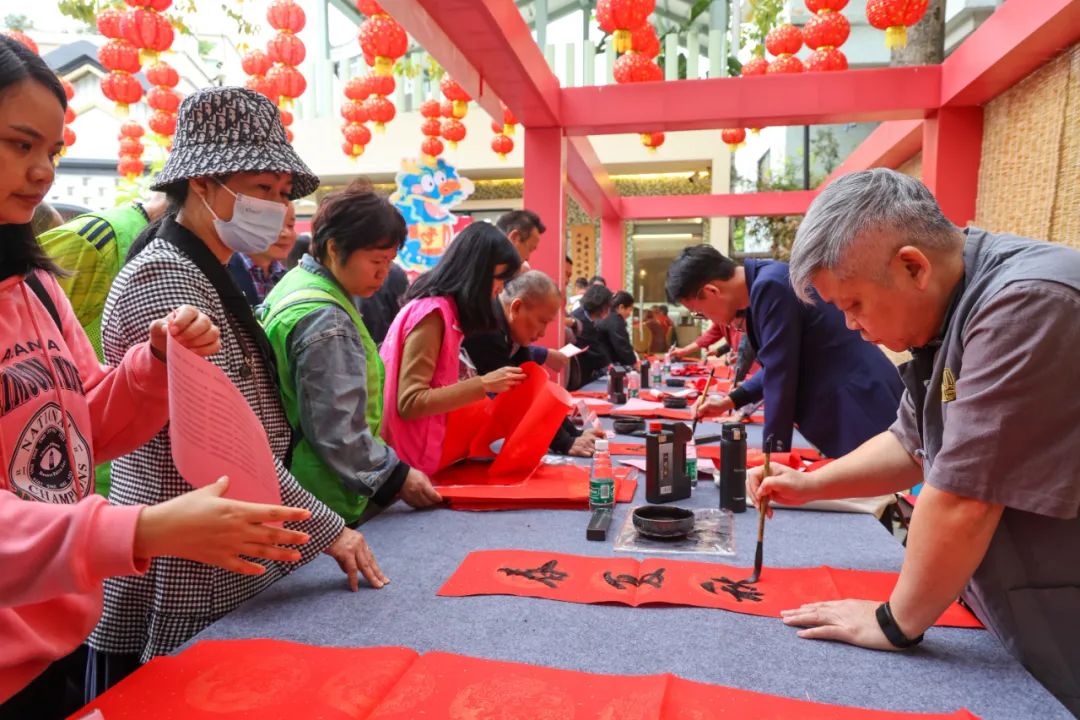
<point x="286" y="16"/>
<point x="453" y="130"/>
<point x="756" y="65"/>
<point x="357" y="135"/>
<point x="786" y="64"/>
<point x="163" y="75"/>
<point x="621" y="18"/>
<point x="370" y="7"/>
<point x="162" y="98"/>
<point x="652" y="140"/>
<point x="894" y="17"/>
<point x="286" y="117"/>
<point x="431" y="127"/>
<point x="130" y="167"/>
<point x="635" y="67"/>
<point x="109" y="23"/>
<point x="148" y="30"/>
<point x="287" y="49"/>
<point x="24" y="39"/>
<point x="829" y="29"/>
<point x="430" y="109"/>
<point x="255" y="62"/>
<point x="784" y="40"/>
<point x="432" y="147"/>
<point x="69" y="137"/>
<point x="289" y="81"/>
<point x="120" y="55"/>
<point x="446" y="109"/>
<point x="380" y="84"/>
<point x="380" y="110"/>
<point x="826" y="59"/>
<point x="816" y="6"/>
<point x="383" y="40"/>
<point x="69" y="115"/>
<point x="131" y="129"/>
<point x="496" y="128"/>
<point x="508" y="117"/>
<point x="122" y="88"/>
<point x="353" y="111"/>
<point x="502" y="145"/>
<point x="131" y="147"/>
<point x="733" y="137"/>
<point x="263" y="85"/>
<point x="456" y="95"/>
<point x="349" y="150"/>
<point x="163" y="123"/>
<point x="289" y="135"/>
<point x="69" y="89"/>
<point x="644" y="41"/>
<point x="357" y="89"/>
<point x="159" y="5"/>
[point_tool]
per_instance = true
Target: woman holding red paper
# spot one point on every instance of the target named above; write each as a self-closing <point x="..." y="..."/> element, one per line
<point x="60" y="411"/>
<point x="426" y="377"/>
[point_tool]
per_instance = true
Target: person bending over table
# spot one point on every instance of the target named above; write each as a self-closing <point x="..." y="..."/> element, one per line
<point x="426" y="378"/>
<point x="329" y="369"/>
<point x="990" y="420"/>
<point x="614" y="337"/>
<point x="523" y="310"/>
<point x="816" y="373"/>
<point x="595" y="304"/>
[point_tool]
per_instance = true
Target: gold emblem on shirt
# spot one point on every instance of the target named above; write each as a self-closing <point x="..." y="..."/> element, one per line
<point x="948" y="386"/>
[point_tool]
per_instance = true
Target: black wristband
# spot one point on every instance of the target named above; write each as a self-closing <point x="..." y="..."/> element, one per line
<point x="893" y="633"/>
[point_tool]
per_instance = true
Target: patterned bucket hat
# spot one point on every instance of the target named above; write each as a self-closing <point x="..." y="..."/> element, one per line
<point x="224" y="130"/>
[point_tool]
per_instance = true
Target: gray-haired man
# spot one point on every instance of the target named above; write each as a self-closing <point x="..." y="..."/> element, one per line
<point x="990" y="420"/>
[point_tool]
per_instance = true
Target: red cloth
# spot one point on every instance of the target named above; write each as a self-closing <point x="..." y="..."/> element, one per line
<point x="273" y="679"/>
<point x="662" y="581"/>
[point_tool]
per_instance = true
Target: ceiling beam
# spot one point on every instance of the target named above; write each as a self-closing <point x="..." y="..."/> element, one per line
<point x="794" y="202"/>
<point x="878" y="94"/>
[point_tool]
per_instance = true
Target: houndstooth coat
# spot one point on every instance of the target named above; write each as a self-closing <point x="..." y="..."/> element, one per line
<point x="155" y="613"/>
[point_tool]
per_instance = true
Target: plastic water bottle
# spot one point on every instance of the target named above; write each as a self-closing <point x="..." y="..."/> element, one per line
<point x="601" y="480"/>
<point x="691" y="462"/>
<point x="633" y="383"/>
<point x="667" y="364"/>
<point x="657" y="375"/>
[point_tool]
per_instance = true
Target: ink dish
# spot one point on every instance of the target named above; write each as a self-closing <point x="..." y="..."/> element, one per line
<point x="663" y="522"/>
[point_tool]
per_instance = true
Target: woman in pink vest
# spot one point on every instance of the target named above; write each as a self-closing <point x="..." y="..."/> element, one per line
<point x="426" y="376"/>
<point x="60" y="413"/>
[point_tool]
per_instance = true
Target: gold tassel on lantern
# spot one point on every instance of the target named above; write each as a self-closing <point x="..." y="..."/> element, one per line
<point x="896" y="37"/>
<point x="623" y="41"/>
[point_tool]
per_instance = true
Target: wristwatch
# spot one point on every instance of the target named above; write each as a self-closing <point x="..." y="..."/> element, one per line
<point x="892" y="631"/>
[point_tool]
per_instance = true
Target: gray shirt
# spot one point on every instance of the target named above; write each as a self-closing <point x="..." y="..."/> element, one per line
<point x="330" y="373"/>
<point x="1001" y="424"/>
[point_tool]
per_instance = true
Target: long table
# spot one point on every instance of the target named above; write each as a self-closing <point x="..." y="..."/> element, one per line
<point x="418" y="550"/>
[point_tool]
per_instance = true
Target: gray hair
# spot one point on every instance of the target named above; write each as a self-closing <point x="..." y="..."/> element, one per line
<point x="530" y="286"/>
<point x="834" y="234"/>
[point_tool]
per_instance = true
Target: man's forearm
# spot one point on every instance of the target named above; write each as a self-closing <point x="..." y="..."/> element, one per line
<point x="879" y="466"/>
<point x="947" y="540"/>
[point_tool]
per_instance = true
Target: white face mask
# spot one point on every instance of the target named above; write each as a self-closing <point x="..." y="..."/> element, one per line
<point x="255" y="223"/>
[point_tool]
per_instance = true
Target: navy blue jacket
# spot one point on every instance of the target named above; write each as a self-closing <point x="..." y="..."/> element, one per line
<point x="816" y="373"/>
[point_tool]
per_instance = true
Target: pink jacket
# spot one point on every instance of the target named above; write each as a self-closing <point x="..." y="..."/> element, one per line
<point x="60" y="412"/>
<point x="419" y="442"/>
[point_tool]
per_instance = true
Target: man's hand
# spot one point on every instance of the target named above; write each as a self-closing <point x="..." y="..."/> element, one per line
<point x="556" y="361"/>
<point x="417" y="490"/>
<point x="354" y="557"/>
<point x="850" y="621"/>
<point x="714" y="407"/>
<point x="585" y="445"/>
<point x="189" y="327"/>
<point x="684" y="351"/>
<point x="784" y="485"/>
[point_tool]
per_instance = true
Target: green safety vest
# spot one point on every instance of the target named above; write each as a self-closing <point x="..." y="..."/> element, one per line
<point x="298" y="293"/>
<point x="92" y="248"/>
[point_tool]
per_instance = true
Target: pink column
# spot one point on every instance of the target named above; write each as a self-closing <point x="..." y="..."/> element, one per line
<point x="952" y="151"/>
<point x="545" y="195"/>
<point x="613" y="253"/>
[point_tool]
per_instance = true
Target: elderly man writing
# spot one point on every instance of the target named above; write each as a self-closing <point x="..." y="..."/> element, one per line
<point x="990" y="420"/>
<point x="523" y="310"/>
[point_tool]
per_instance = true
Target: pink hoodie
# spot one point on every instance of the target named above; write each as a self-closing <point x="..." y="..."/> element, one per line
<point x="61" y="411"/>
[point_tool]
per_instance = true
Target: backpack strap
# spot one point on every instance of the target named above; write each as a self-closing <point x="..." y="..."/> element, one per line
<point x="43" y="295"/>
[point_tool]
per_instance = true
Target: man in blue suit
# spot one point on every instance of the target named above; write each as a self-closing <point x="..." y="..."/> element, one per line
<point x="816" y="373"/>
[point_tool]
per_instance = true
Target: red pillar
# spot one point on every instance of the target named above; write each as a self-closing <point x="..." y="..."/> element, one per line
<point x="952" y="151"/>
<point x="545" y="195"/>
<point x="613" y="253"/>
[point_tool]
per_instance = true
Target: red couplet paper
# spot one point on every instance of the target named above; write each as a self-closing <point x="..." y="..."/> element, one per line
<point x="272" y="680"/>
<point x="589" y="395"/>
<point x="467" y="486"/>
<point x="626" y="448"/>
<point x="586" y="579"/>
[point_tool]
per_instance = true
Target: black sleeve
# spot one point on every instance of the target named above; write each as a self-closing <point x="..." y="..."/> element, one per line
<point x="564" y="437"/>
<point x="622" y="350"/>
<point x="389" y="490"/>
<point x="488" y="351"/>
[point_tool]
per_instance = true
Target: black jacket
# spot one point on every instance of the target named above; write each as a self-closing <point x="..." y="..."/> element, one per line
<point x="615" y="340"/>
<point x="492" y="350"/>
<point x="593" y="361"/>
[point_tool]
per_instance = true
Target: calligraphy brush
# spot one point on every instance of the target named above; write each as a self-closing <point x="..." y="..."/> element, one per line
<point x="701" y="400"/>
<point x="763" y="507"/>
